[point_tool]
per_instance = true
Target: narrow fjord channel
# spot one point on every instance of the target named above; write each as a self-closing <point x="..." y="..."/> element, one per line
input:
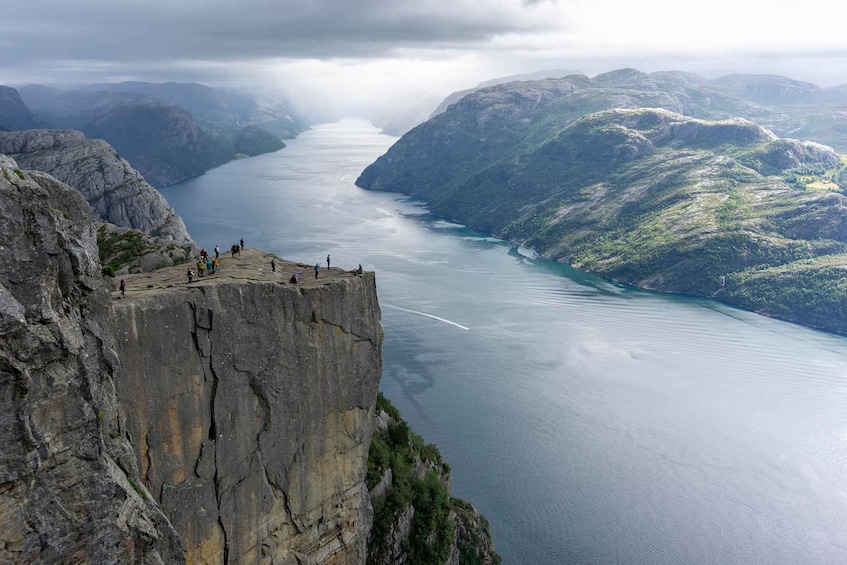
<point x="591" y="423"/>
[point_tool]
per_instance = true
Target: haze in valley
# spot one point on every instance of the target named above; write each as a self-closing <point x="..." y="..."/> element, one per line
<point x="376" y="57"/>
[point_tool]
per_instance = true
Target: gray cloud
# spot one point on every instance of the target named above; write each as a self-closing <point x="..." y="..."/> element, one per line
<point x="133" y="30"/>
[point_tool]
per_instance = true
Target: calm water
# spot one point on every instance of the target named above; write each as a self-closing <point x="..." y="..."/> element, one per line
<point x="590" y="422"/>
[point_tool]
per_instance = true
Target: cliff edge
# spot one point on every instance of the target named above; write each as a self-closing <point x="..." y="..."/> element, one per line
<point x="248" y="404"/>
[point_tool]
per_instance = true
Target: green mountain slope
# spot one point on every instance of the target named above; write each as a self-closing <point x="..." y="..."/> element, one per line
<point x="655" y="199"/>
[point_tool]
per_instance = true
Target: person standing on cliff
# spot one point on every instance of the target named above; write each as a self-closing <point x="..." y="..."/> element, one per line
<point x="240" y="246"/>
<point x="273" y="266"/>
<point x="217" y="251"/>
<point x="327" y="260"/>
<point x="190" y="274"/>
<point x="123" y="287"/>
<point x="317" y="268"/>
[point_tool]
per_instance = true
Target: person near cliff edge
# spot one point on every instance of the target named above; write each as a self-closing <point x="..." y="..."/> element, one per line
<point x="327" y="260"/>
<point x="217" y="251"/>
<point x="317" y="268"/>
<point x="123" y="287"/>
<point x="241" y="245"/>
<point x="190" y="274"/>
<point x="273" y="266"/>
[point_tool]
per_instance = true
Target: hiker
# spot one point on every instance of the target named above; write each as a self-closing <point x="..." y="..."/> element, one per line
<point x="203" y="253"/>
<point x="327" y="261"/>
<point x="217" y="251"/>
<point x="232" y="250"/>
<point x="237" y="250"/>
<point x="317" y="268"/>
<point x="190" y="274"/>
<point x="123" y="287"/>
<point x="216" y="264"/>
<point x="210" y="265"/>
<point x="241" y="245"/>
<point x="294" y="278"/>
<point x="273" y="266"/>
<point x="200" y="266"/>
<point x="359" y="270"/>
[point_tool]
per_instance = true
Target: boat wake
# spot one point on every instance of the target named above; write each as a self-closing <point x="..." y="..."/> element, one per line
<point x="424" y="314"/>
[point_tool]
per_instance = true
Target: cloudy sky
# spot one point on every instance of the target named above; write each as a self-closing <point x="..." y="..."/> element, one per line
<point x="359" y="52"/>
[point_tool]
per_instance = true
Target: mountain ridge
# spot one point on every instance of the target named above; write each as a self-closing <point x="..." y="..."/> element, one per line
<point x="655" y="199"/>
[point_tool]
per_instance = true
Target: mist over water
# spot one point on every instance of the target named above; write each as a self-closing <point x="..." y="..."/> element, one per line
<point x="590" y="422"/>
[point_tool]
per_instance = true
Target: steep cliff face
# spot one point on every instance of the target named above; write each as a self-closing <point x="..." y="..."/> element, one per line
<point x="116" y="192"/>
<point x="248" y="404"/>
<point x="69" y="487"/>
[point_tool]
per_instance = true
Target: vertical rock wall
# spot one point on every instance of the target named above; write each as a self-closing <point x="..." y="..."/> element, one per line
<point x="69" y="488"/>
<point x="248" y="406"/>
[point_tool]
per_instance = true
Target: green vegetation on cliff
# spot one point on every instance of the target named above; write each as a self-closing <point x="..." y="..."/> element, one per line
<point x="418" y="487"/>
<point x="652" y="198"/>
<point x="125" y="250"/>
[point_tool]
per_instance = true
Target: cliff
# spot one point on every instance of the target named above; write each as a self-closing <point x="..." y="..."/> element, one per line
<point x="248" y="404"/>
<point x="116" y="192"/>
<point x="227" y="421"/>
<point x="69" y="486"/>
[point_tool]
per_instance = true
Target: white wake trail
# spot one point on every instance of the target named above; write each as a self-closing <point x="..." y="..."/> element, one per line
<point x="424" y="314"/>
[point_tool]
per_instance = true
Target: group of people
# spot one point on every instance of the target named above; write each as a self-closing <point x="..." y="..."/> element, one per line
<point x="206" y="264"/>
<point x="295" y="276"/>
<point x="235" y="249"/>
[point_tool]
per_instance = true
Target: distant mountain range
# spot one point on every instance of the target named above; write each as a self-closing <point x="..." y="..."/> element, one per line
<point x="649" y="179"/>
<point x="168" y="131"/>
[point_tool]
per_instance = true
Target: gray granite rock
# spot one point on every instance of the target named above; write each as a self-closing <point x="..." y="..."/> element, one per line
<point x="116" y="192"/>
<point x="69" y="486"/>
<point x="250" y="407"/>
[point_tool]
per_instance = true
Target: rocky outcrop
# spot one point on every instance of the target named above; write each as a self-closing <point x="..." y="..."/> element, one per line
<point x="69" y="486"/>
<point x="248" y="404"/>
<point x="116" y="192"/>
<point x="223" y="422"/>
<point x="125" y="250"/>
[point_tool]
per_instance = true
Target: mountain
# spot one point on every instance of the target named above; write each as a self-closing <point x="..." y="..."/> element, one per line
<point x="643" y="196"/>
<point x="217" y="106"/>
<point x="116" y="192"/>
<point x="14" y="113"/>
<point x="538" y="75"/>
<point x="768" y="89"/>
<point x="504" y="120"/>
<point x="169" y="132"/>
<point x="164" y="143"/>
